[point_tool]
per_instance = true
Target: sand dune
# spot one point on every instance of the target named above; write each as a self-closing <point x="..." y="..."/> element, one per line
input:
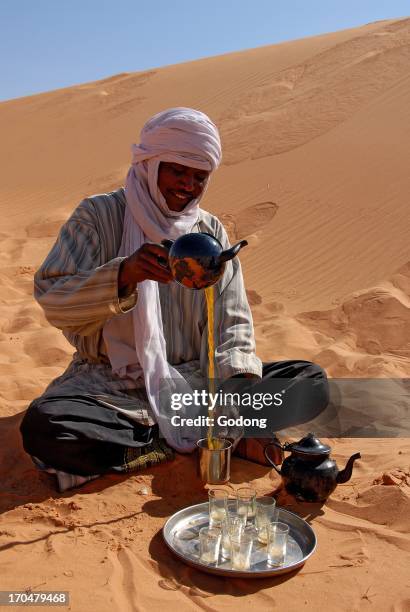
<point x="316" y="136"/>
<point x="367" y="335"/>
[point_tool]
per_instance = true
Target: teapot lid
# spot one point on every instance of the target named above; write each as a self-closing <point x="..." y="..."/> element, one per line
<point x="309" y="445"/>
<point x="196" y="244"/>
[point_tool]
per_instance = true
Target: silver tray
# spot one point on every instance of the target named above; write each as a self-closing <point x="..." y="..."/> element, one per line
<point x="181" y="534"/>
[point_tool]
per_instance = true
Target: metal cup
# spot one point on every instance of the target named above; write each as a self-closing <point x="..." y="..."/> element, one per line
<point x="214" y="466"/>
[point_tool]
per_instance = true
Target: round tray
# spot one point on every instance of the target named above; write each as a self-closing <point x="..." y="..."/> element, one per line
<point x="181" y="534"/>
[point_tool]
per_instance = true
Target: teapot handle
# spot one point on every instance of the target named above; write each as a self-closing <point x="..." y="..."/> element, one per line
<point x="167" y="243"/>
<point x="267" y="457"/>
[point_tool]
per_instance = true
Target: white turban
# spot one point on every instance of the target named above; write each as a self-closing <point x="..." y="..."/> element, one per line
<point x="185" y="134"/>
<point x="135" y="341"/>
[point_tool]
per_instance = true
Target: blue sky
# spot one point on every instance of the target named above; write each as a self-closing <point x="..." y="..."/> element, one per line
<point x="47" y="44"/>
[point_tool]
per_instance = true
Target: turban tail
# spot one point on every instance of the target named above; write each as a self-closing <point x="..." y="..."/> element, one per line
<point x="135" y="340"/>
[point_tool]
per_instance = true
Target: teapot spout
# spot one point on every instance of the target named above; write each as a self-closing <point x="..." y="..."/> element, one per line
<point x="346" y="474"/>
<point x="230" y="253"/>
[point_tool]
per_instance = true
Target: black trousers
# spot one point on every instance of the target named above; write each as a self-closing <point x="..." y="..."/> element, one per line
<point x="80" y="435"/>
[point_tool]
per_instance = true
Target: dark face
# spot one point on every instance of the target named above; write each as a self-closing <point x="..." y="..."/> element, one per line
<point x="180" y="184"/>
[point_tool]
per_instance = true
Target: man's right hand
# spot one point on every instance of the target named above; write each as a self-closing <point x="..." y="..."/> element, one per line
<point x="145" y="265"/>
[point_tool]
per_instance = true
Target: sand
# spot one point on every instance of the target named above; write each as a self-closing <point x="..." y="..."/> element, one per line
<point x="316" y="137"/>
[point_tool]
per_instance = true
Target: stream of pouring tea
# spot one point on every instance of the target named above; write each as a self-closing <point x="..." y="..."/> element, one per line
<point x="213" y="443"/>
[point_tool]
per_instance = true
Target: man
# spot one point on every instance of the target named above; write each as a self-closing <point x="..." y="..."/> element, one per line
<point x="107" y="286"/>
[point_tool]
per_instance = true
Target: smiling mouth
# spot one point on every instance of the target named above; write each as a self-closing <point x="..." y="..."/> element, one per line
<point x="181" y="196"/>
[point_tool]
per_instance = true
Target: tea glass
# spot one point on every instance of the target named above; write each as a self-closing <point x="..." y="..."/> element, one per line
<point x="209" y="544"/>
<point x="278" y="534"/>
<point x="218" y="500"/>
<point x="232" y="511"/>
<point x="241" y="550"/>
<point x="252" y="531"/>
<point x="232" y="527"/>
<point x="265" y="514"/>
<point x="245" y="500"/>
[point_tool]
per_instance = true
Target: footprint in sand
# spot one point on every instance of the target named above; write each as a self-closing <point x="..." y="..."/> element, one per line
<point x="169" y="585"/>
<point x="46" y="227"/>
<point x="253" y="297"/>
<point x="11" y="249"/>
<point x="18" y="324"/>
<point x="123" y="580"/>
<point x="46" y="348"/>
<point x="353" y="552"/>
<point x="249" y="220"/>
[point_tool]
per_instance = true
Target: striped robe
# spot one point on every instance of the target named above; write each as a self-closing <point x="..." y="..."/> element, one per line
<point x="77" y="287"/>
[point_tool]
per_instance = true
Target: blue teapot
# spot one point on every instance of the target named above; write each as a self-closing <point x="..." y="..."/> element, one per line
<point x="197" y="260"/>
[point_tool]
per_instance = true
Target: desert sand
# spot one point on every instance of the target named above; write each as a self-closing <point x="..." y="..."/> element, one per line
<point x="316" y="136"/>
